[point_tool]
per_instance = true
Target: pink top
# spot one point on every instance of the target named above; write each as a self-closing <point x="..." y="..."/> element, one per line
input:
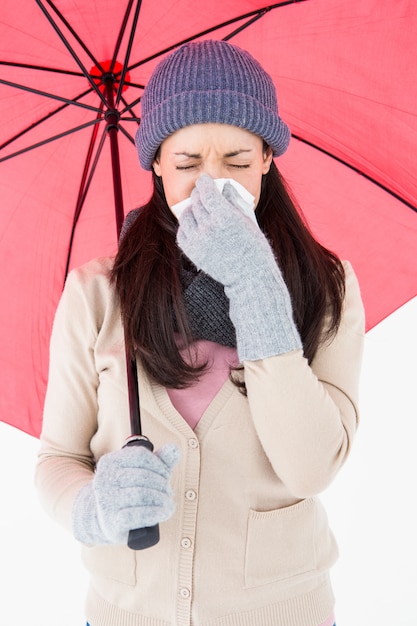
<point x="193" y="401"/>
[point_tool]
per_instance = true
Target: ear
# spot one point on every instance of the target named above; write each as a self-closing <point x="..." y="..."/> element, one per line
<point x="156" y="167"/>
<point x="268" y="154"/>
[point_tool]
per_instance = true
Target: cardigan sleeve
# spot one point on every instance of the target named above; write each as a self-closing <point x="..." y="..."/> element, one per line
<point x="65" y="461"/>
<point x="306" y="416"/>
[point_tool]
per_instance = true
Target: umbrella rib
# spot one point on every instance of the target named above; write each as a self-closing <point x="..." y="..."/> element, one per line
<point x="40" y="121"/>
<point x="46" y="94"/>
<point x="68" y="45"/>
<point x="121" y="34"/>
<point x="129" y="46"/>
<point x="255" y="15"/>
<point x="128" y="107"/>
<point x="130" y="119"/>
<point x="41" y="68"/>
<point x="129" y="83"/>
<point x="233" y="20"/>
<point x="49" y="140"/>
<point x="126" y="134"/>
<point x="71" y="30"/>
<point x="358" y="171"/>
<point x="93" y="169"/>
<point x="84" y="187"/>
<point x="85" y="183"/>
<point x="245" y="25"/>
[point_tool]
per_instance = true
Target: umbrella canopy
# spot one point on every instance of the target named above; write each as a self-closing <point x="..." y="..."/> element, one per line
<point x="71" y="71"/>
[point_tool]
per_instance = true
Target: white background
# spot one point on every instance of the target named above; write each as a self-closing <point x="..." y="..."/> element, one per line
<point x="371" y="506"/>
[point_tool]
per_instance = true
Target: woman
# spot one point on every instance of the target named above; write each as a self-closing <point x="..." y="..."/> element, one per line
<point x="248" y="337"/>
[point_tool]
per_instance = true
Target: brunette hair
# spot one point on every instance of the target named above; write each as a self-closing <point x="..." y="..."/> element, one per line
<point x="146" y="275"/>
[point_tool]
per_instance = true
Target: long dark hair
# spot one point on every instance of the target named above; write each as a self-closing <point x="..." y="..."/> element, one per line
<point x="146" y="275"/>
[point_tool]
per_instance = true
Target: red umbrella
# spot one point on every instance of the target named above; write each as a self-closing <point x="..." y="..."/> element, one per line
<point x="346" y="85"/>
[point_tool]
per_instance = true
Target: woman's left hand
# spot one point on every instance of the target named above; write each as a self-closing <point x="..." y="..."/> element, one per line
<point x="229" y="246"/>
<point x="218" y="237"/>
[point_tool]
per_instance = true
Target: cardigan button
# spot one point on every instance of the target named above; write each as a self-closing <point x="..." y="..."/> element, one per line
<point x="193" y="443"/>
<point x="190" y="495"/>
<point x="186" y="542"/>
<point x="185" y="593"/>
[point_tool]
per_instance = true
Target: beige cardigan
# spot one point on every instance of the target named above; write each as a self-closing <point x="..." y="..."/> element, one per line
<point x="249" y="543"/>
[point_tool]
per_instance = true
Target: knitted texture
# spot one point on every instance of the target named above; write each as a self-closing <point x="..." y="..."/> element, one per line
<point x="130" y="490"/>
<point x="231" y="248"/>
<point x="207" y="309"/>
<point x="128" y="222"/>
<point x="209" y="82"/>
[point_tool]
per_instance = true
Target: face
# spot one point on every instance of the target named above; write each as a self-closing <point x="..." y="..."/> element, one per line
<point x="219" y="150"/>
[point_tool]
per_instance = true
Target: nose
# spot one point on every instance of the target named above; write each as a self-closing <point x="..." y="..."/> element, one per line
<point x="214" y="168"/>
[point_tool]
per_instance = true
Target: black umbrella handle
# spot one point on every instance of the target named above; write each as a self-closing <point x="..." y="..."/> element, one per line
<point x="141" y="538"/>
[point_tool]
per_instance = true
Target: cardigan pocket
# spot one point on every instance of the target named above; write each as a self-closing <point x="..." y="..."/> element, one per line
<point x="114" y="562"/>
<point x="281" y="543"/>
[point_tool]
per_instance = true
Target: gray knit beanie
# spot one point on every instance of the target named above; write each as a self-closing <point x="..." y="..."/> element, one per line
<point x="209" y="82"/>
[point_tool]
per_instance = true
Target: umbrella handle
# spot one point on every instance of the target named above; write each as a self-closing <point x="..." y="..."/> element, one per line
<point x="141" y="538"/>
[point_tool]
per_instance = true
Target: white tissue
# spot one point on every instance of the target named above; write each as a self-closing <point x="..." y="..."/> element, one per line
<point x="245" y="201"/>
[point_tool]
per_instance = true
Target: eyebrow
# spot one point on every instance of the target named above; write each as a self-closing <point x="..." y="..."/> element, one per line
<point x="228" y="155"/>
<point x="237" y="152"/>
<point x="188" y="154"/>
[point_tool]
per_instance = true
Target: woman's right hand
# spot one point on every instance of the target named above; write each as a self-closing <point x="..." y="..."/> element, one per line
<point x="130" y="490"/>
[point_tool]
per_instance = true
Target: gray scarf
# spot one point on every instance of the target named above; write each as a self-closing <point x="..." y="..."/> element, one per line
<point x="206" y="303"/>
<point x="207" y="306"/>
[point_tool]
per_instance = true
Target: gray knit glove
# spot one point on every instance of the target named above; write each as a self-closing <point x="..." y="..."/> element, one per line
<point x="230" y="247"/>
<point x="130" y="490"/>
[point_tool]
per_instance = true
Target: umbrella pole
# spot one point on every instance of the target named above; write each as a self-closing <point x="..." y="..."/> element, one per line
<point x="139" y="538"/>
<point x="112" y="118"/>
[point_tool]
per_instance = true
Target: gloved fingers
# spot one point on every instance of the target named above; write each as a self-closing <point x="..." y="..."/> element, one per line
<point x="140" y="517"/>
<point x="187" y="220"/>
<point x="117" y="504"/>
<point x="169" y="455"/>
<point x="225" y="209"/>
<point x="231" y="194"/>
<point x="117" y="523"/>
<point x="137" y="477"/>
<point x="203" y="222"/>
<point x="131" y="457"/>
<point x="137" y="497"/>
<point x="131" y="484"/>
<point x="188" y="234"/>
<point x="210" y="196"/>
<point x="154" y="475"/>
<point x="195" y="215"/>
